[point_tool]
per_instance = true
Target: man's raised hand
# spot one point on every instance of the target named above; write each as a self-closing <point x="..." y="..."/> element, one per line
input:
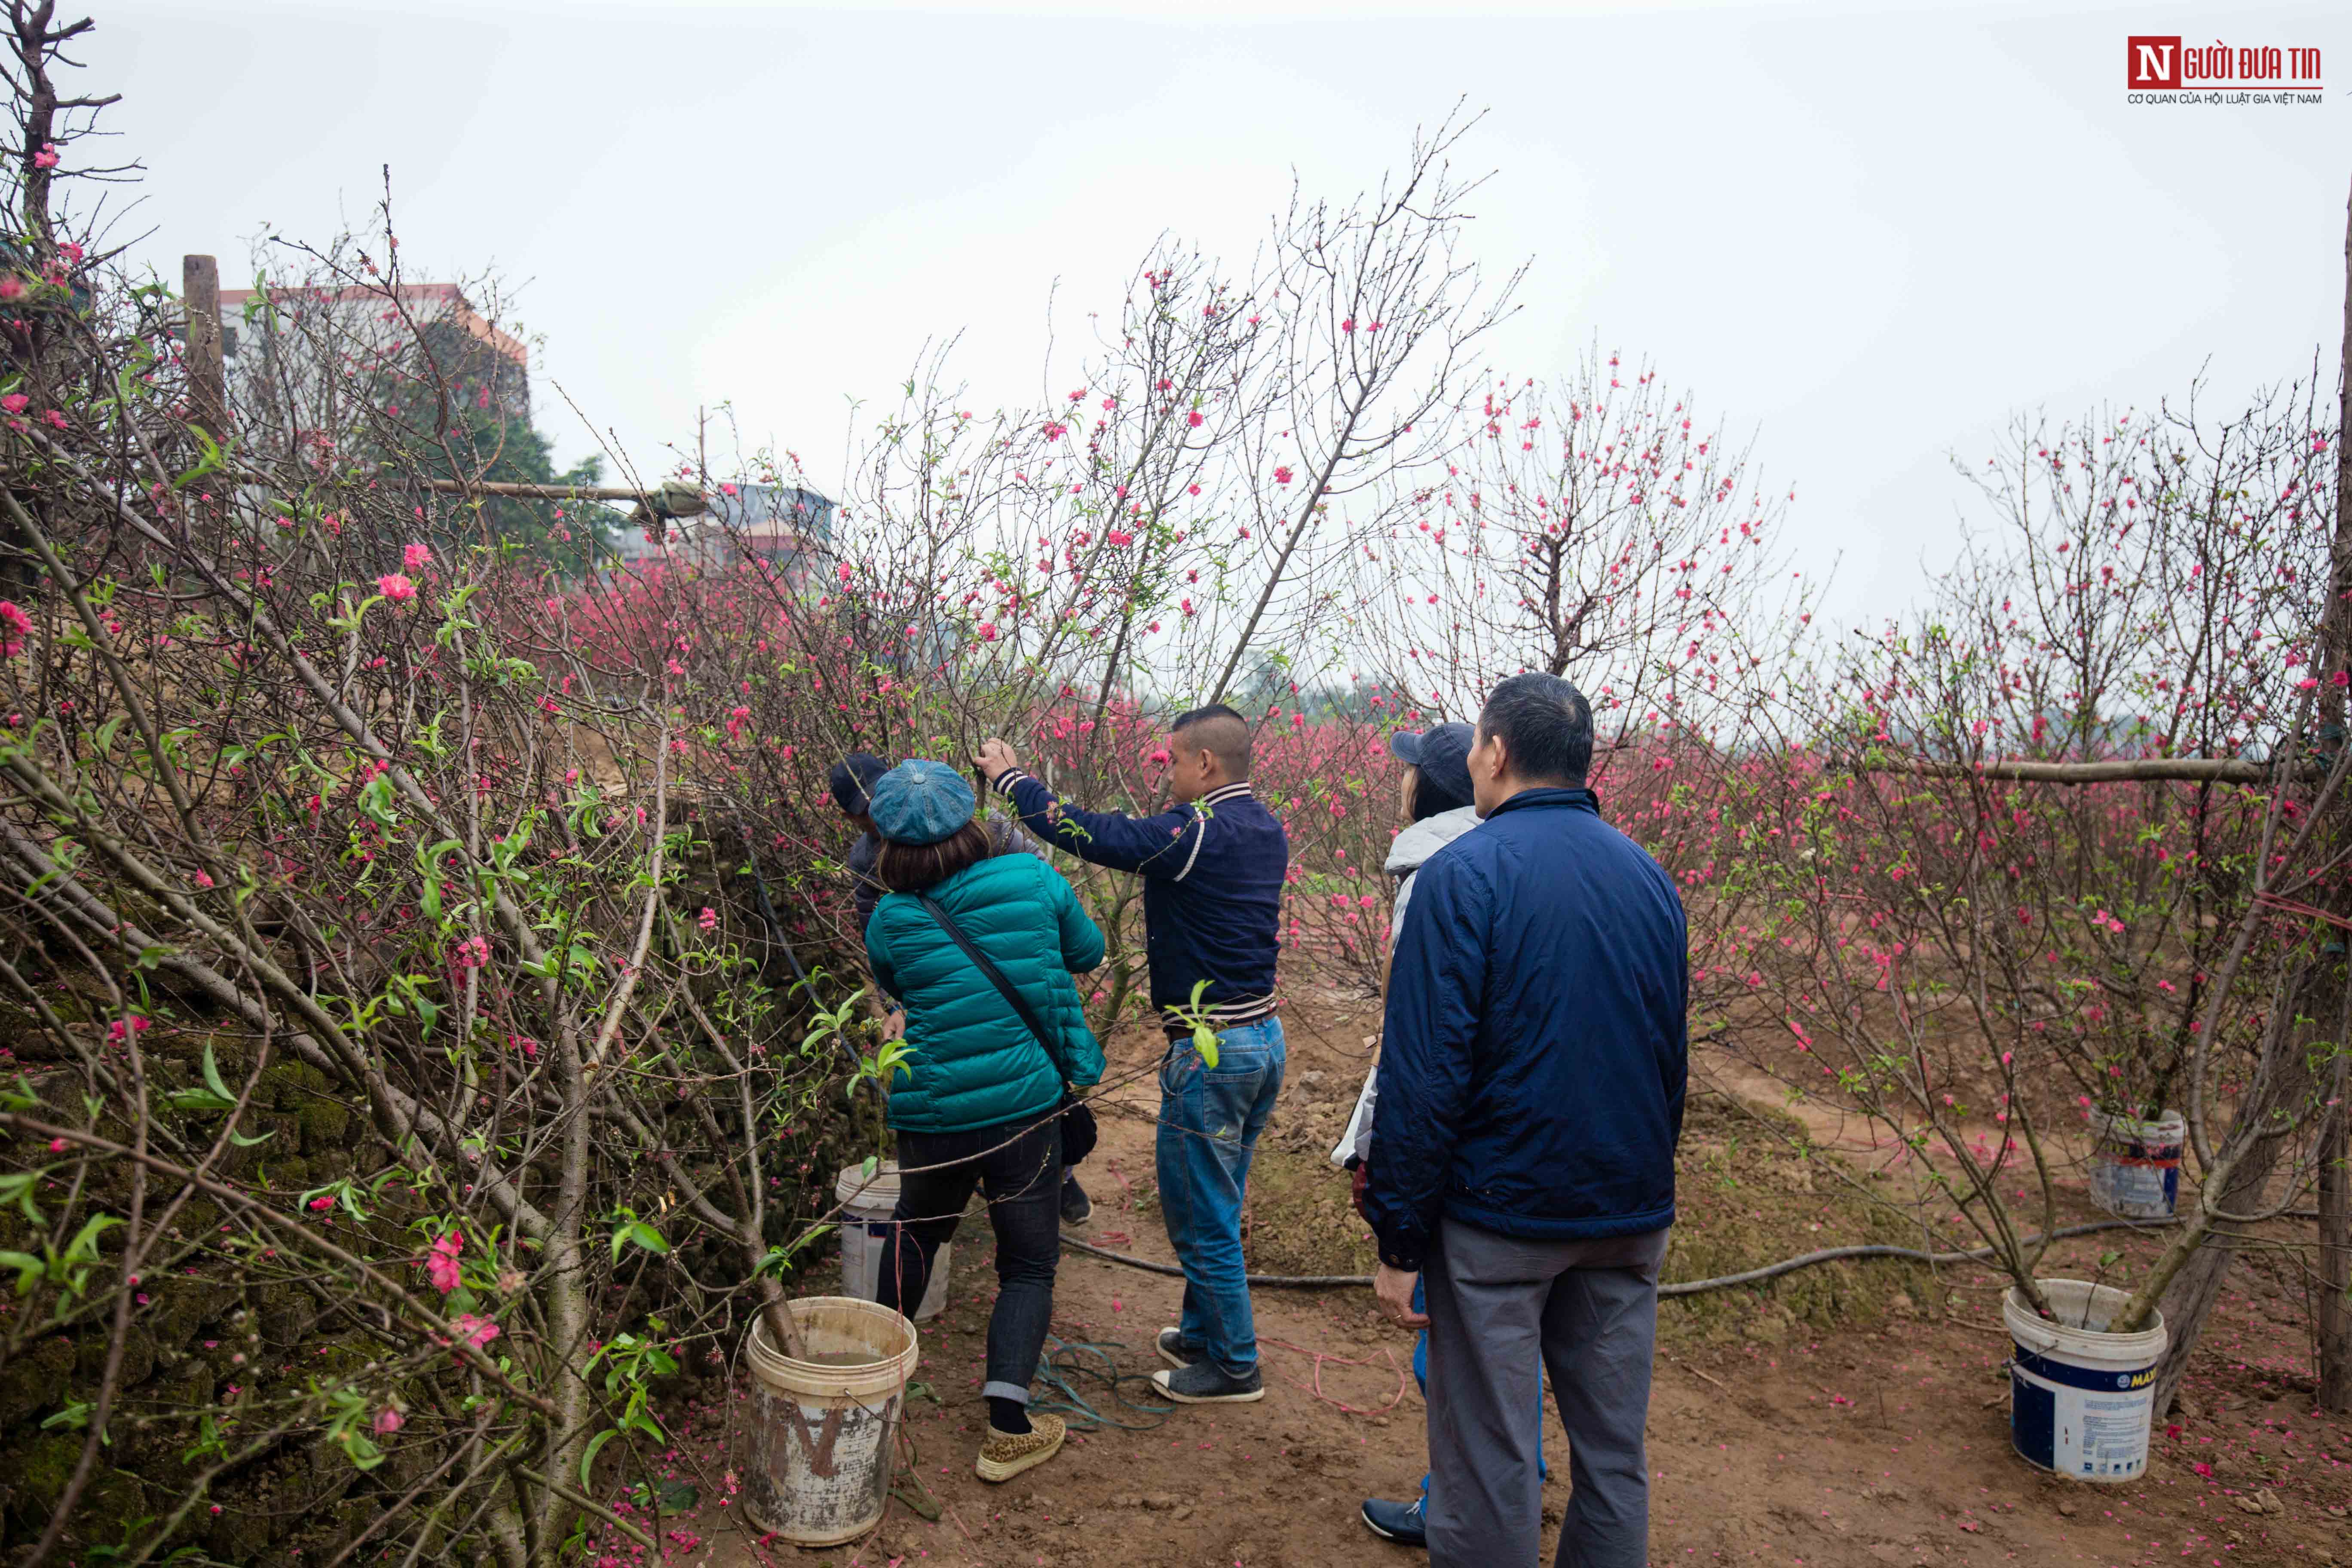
<point x="994" y="758"/>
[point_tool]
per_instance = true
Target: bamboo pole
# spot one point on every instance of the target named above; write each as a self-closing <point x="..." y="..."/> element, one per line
<point x="2135" y="770"/>
<point x="673" y="498"/>
<point x="680" y="502"/>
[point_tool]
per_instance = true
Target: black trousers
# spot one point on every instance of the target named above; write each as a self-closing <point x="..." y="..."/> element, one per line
<point x="1019" y="1169"/>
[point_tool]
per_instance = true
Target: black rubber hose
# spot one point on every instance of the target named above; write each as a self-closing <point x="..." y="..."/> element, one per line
<point x="1694" y="1287"/>
<point x="1298" y="1281"/>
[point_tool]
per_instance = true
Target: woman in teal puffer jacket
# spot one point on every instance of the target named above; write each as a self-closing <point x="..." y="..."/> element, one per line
<point x="982" y="1105"/>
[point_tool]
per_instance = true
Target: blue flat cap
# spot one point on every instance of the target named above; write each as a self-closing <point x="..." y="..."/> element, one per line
<point x="1442" y="755"/>
<point x="920" y="802"/>
<point x="852" y="781"/>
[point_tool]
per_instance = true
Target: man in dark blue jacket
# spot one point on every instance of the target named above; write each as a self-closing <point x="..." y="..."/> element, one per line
<point x="1213" y="867"/>
<point x="1531" y="1082"/>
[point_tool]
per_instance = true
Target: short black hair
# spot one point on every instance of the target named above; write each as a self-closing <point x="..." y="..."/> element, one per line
<point x="1547" y="728"/>
<point x="1430" y="799"/>
<point x="1221" y="731"/>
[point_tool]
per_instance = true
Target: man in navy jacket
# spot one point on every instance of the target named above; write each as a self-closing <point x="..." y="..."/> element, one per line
<point x="1531" y="1082"/>
<point x="1212" y="866"/>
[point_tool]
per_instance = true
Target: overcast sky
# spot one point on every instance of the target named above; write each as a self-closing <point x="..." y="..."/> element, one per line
<point x="1865" y="235"/>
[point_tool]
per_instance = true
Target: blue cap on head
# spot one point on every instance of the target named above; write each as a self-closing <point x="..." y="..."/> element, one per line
<point x="920" y="802"/>
<point x="852" y="781"/>
<point x="1442" y="755"/>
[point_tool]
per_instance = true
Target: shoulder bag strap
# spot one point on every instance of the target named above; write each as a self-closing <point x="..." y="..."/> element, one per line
<point x="995" y="976"/>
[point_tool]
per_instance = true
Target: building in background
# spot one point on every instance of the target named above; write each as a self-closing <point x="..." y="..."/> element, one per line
<point x="403" y="335"/>
<point x="786" y="524"/>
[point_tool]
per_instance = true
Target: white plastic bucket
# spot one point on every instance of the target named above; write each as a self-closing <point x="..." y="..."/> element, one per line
<point x="818" y="1446"/>
<point x="2136" y="1164"/>
<point x="2081" y="1400"/>
<point x="868" y="1204"/>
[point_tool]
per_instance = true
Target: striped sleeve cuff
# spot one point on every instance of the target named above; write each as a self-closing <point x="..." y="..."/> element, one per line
<point x="1006" y="780"/>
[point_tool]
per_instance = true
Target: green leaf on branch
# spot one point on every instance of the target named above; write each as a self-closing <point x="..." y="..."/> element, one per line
<point x="213" y="1097"/>
<point x="633" y="1231"/>
<point x="595" y="1447"/>
<point x="376" y="801"/>
<point x="666" y="1497"/>
<point x="779" y="1258"/>
<point x="74" y="1417"/>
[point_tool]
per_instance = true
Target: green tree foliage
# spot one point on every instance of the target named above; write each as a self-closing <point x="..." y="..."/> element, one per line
<point x="491" y="438"/>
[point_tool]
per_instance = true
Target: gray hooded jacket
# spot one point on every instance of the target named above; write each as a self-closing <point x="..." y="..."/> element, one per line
<point x="1407" y="855"/>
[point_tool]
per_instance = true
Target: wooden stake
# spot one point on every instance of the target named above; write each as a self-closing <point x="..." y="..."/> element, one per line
<point x="207" y="376"/>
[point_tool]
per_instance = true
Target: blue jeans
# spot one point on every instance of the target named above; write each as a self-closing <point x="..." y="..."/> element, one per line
<point x="1209" y="1123"/>
<point x="1420" y="1377"/>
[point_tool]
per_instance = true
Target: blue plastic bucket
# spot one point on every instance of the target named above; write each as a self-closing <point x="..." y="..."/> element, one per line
<point x="2081" y="1401"/>
<point x="2136" y="1164"/>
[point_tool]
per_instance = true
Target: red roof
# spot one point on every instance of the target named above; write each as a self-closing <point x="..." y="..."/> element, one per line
<point x="503" y="343"/>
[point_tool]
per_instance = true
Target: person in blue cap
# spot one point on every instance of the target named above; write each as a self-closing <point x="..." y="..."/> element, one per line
<point x="851" y="783"/>
<point x="980" y="948"/>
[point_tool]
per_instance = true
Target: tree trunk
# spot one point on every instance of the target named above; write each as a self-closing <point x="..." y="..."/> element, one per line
<point x="2245" y="1176"/>
<point x="2335" y="1313"/>
<point x="2189" y="1298"/>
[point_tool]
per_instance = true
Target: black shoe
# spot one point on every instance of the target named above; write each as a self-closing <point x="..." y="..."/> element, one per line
<point x="1173" y="1350"/>
<point x="1205" y="1383"/>
<point x="1403" y="1522"/>
<point x="1077" y="1207"/>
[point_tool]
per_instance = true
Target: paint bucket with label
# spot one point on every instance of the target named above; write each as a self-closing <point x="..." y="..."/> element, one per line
<point x="823" y="1426"/>
<point x="866" y="1204"/>
<point x="2136" y="1163"/>
<point x="2081" y="1400"/>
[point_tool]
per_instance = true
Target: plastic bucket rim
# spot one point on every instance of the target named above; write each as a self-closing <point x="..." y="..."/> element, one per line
<point x="2167" y="1123"/>
<point x="2142" y="1346"/>
<point x="852" y="1188"/>
<point x="787" y="1373"/>
<point x="859" y="1307"/>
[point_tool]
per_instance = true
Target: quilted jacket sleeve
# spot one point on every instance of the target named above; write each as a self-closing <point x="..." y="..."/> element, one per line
<point x="1436" y="994"/>
<point x="1158" y="846"/>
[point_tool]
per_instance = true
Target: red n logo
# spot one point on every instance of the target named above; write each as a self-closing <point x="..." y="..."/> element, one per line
<point x="2154" y="62"/>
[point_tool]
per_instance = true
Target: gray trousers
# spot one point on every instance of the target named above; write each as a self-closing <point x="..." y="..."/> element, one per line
<point x="1502" y="1311"/>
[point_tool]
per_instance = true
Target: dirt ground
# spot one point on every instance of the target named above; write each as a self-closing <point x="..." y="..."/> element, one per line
<point x="1852" y="1415"/>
